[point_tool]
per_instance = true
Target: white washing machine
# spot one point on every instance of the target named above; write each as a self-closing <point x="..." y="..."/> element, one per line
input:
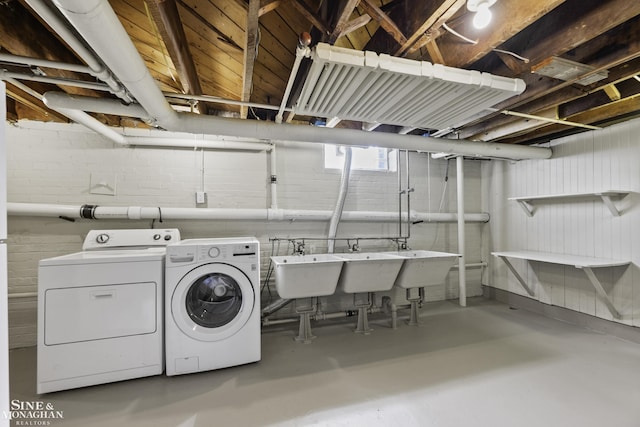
<point x="100" y="311"/>
<point x="212" y="304"/>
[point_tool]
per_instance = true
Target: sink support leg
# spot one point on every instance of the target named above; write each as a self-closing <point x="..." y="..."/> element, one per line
<point x="304" y="331"/>
<point x="362" y="326"/>
<point x="413" y="317"/>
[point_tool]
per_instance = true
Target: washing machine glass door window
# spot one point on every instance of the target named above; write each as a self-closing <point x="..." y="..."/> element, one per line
<point x="214" y="300"/>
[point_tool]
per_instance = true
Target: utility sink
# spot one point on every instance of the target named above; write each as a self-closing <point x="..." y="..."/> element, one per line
<point x="303" y="276"/>
<point x="369" y="271"/>
<point x="424" y="268"/>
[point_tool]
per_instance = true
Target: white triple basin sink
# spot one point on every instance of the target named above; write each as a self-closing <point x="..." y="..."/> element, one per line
<point x="303" y="276"/>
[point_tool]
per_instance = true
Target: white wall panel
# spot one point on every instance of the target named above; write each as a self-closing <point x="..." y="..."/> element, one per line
<point x="586" y="162"/>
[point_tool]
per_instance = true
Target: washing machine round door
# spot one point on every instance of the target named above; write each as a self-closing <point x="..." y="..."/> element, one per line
<point x="212" y="302"/>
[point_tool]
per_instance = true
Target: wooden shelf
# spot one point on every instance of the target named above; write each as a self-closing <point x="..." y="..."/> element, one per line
<point x="607" y="198"/>
<point x="583" y="263"/>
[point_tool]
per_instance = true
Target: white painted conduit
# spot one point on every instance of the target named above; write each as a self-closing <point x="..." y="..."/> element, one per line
<point x="175" y="213"/>
<point x="100" y="27"/>
<point x="342" y="196"/>
<point x="62" y="29"/>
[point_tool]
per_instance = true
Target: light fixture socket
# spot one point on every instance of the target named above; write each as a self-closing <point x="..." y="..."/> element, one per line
<point x="474" y="5"/>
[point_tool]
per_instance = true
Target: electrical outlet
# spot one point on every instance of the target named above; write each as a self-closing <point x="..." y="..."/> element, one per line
<point x="201" y="197"/>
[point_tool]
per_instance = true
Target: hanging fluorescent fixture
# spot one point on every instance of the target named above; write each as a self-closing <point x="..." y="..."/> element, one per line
<point x="483" y="14"/>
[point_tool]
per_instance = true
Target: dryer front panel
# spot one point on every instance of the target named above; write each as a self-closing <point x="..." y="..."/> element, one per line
<point x="212" y="302"/>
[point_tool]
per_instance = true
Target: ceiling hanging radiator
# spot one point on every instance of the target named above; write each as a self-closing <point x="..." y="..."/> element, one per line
<point x="364" y="86"/>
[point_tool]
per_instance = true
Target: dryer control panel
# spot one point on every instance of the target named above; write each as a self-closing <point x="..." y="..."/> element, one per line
<point x="135" y="238"/>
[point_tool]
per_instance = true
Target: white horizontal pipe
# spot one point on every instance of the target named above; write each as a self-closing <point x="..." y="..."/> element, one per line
<point x="352" y="137"/>
<point x="218" y="100"/>
<point x="54" y="80"/>
<point x="96" y="21"/>
<point x="70" y="106"/>
<point x="145" y="213"/>
<point x="197" y="143"/>
<point x="55" y="100"/>
<point x="25" y="60"/>
<point x="472" y="265"/>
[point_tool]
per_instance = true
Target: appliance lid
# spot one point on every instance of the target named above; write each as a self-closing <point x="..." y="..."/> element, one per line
<point x="107" y="256"/>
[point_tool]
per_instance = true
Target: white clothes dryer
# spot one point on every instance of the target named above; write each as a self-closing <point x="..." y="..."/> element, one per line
<point x="212" y="304"/>
<point x="100" y="311"/>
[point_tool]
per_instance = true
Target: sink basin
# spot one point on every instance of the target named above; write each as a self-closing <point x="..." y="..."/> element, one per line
<point x="303" y="276"/>
<point x="424" y="268"/>
<point x="369" y="271"/>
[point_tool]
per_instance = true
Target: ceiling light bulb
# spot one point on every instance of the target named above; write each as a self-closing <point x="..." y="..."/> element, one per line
<point x="483" y="16"/>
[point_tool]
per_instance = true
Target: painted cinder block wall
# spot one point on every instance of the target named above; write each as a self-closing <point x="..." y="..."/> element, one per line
<point x="54" y="163"/>
<point x="593" y="161"/>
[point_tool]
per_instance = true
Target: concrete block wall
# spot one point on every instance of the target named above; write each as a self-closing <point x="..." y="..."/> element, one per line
<point x="54" y="163"/>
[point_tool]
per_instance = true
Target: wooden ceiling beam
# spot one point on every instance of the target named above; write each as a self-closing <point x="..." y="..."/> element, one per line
<point x="250" y="54"/>
<point x="267" y="6"/>
<point x="509" y="18"/>
<point x="606" y="113"/>
<point x="355" y="24"/>
<point x="579" y="28"/>
<point x="383" y="19"/>
<point x="543" y="92"/>
<point x="423" y="35"/>
<point x="167" y="19"/>
<point x="344" y="13"/>
<point x="311" y="16"/>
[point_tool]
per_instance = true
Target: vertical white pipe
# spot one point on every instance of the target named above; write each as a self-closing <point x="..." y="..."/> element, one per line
<point x="342" y="196"/>
<point x="274" y="178"/>
<point x="462" y="276"/>
<point x="4" y="301"/>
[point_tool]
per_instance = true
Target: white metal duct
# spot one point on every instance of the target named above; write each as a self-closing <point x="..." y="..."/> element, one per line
<point x="364" y="86"/>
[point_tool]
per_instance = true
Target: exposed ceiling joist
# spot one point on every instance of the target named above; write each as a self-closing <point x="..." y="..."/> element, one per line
<point x="167" y="20"/>
<point x="425" y="34"/>
<point x="311" y="16"/>
<point x="510" y="17"/>
<point x="346" y="10"/>
<point x="268" y="6"/>
<point x="250" y="53"/>
<point x="370" y="7"/>
<point x="580" y="26"/>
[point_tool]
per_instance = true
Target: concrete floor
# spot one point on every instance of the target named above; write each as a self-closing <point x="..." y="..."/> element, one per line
<point x="485" y="365"/>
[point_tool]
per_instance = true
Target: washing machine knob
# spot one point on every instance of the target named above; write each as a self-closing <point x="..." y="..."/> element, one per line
<point x="167" y="237"/>
<point x="214" y="252"/>
<point x="156" y="237"/>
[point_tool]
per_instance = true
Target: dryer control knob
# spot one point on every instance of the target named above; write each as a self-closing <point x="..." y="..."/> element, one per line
<point x="214" y="252"/>
<point x="156" y="237"/>
<point x="102" y="238"/>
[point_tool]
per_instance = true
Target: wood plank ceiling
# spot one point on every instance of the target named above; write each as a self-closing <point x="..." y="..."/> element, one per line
<point x="244" y="50"/>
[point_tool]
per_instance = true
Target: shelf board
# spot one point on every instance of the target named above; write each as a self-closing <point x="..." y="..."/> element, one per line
<point x="607" y="197"/>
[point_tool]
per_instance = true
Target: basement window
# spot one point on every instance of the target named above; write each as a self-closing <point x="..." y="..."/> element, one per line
<point x="362" y="158"/>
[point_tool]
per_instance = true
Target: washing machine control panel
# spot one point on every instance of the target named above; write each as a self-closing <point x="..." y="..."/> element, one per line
<point x="235" y="252"/>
